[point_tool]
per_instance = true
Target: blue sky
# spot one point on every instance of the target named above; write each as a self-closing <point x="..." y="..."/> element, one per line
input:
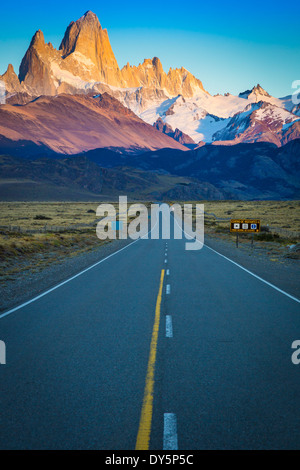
<point x="230" y="46"/>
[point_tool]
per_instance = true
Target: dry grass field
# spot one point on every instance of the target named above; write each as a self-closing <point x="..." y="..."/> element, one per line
<point x="280" y="216"/>
<point x="33" y="250"/>
<point x="45" y="232"/>
<point x="37" y="215"/>
<point x="62" y="228"/>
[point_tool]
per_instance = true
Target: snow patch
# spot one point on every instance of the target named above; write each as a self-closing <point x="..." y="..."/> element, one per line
<point x="64" y="76"/>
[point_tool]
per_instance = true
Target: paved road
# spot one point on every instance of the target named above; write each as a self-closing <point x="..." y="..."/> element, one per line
<point x="78" y="357"/>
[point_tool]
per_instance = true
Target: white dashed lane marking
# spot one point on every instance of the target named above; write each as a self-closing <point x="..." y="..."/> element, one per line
<point x="169" y="326"/>
<point x="170" y="440"/>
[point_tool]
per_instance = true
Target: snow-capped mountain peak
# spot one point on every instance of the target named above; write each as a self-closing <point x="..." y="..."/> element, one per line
<point x="85" y="63"/>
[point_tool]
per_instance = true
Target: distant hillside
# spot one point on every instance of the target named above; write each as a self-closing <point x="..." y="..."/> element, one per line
<point x="79" y="179"/>
<point x="245" y="171"/>
<point x="69" y="124"/>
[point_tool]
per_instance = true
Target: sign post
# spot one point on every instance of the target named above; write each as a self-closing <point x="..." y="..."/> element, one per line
<point x="244" y="226"/>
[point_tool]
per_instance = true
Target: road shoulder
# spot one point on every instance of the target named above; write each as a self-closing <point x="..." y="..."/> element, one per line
<point x="281" y="271"/>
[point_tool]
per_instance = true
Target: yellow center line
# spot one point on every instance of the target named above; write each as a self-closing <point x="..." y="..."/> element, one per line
<point x="143" y="436"/>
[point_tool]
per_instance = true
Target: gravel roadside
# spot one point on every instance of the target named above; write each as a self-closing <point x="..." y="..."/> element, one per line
<point x="28" y="283"/>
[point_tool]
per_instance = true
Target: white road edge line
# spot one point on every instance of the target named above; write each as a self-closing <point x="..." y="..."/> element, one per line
<point x="170" y="439"/>
<point x="255" y="275"/>
<point x="247" y="270"/>
<point x="5" y="314"/>
<point x="64" y="282"/>
<point x="169" y="326"/>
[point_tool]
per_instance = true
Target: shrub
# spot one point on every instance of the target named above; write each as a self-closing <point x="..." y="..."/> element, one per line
<point x="42" y="217"/>
<point x="267" y="237"/>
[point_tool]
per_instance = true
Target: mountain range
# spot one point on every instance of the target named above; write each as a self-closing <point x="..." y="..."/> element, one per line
<point x="85" y="64"/>
<point x="137" y="129"/>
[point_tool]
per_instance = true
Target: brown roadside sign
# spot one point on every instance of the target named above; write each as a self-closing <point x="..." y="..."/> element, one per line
<point x="245" y="225"/>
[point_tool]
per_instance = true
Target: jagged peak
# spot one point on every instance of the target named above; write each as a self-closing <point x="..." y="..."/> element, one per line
<point x="156" y="61"/>
<point x="10" y="78"/>
<point x="38" y="39"/>
<point x="147" y="61"/>
<point x="89" y="55"/>
<point x="10" y="69"/>
<point x="10" y="73"/>
<point x="90" y="14"/>
<point x="89" y="17"/>
<point x="258" y="89"/>
<point x="88" y="22"/>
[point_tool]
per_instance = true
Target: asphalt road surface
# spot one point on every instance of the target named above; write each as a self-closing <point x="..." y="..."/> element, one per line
<point x="154" y="347"/>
